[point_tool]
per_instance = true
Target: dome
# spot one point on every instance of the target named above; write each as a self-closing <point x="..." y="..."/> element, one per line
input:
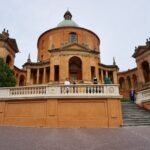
<point x="67" y="21"/>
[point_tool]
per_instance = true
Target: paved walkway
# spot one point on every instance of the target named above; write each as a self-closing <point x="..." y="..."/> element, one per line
<point x="20" y="138"/>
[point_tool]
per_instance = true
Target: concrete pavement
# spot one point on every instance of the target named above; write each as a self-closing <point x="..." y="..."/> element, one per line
<point x="22" y="138"/>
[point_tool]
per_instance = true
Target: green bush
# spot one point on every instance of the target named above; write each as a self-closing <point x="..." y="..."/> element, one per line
<point x="7" y="78"/>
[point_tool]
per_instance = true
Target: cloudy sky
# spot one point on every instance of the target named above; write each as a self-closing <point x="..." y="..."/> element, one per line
<point x="120" y="24"/>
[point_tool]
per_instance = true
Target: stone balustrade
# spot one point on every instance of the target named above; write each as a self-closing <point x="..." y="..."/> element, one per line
<point x="80" y="90"/>
<point x="143" y="96"/>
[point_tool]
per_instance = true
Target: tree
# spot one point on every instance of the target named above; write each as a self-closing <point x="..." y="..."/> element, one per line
<point x="7" y="78"/>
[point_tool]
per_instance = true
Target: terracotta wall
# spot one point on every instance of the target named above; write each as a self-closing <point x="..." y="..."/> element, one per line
<point x="57" y="37"/>
<point x="91" y="113"/>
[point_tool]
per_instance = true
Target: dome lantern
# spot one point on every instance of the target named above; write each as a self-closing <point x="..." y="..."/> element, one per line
<point x="67" y="15"/>
<point x="67" y="21"/>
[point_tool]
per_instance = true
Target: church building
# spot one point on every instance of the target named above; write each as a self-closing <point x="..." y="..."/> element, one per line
<point x="70" y="52"/>
<point x="66" y="51"/>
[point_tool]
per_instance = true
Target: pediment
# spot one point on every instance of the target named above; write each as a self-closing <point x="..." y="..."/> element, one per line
<point x="74" y="46"/>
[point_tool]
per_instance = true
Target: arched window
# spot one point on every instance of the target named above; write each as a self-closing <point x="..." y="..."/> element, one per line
<point x="8" y="60"/>
<point x="73" y="37"/>
<point x="146" y="71"/>
<point x="122" y="83"/>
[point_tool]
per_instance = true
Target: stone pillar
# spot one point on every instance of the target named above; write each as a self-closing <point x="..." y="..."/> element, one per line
<point x="64" y="68"/>
<point x="132" y="83"/>
<point x="17" y="80"/>
<point x="52" y="73"/>
<point x="106" y="73"/>
<point x="86" y="70"/>
<point x="97" y="72"/>
<point x="126" y="84"/>
<point x="28" y="76"/>
<point x="37" y="76"/>
<point x="102" y="76"/>
<point x="49" y="74"/>
<point x="44" y="75"/>
<point x="140" y="72"/>
<point x="115" y="77"/>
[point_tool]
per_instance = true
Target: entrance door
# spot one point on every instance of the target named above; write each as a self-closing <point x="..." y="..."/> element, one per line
<point x="75" y="68"/>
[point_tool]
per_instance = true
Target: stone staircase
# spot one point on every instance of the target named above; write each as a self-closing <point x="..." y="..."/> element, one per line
<point x="135" y="116"/>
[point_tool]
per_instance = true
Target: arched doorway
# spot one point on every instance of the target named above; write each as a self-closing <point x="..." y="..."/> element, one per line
<point x="22" y="80"/>
<point x="8" y="60"/>
<point x="75" y="68"/>
<point x="146" y="71"/>
<point x="122" y="83"/>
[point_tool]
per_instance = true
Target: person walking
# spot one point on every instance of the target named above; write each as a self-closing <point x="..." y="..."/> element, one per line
<point x="132" y="95"/>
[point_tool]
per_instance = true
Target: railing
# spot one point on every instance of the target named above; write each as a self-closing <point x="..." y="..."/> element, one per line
<point x="60" y="90"/>
<point x="143" y="96"/>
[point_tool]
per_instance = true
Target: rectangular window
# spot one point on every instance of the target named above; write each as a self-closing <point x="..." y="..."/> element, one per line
<point x="72" y="37"/>
<point x="56" y="76"/>
<point x="92" y="72"/>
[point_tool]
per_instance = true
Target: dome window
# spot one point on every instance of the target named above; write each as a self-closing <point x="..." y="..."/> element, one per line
<point x="72" y="37"/>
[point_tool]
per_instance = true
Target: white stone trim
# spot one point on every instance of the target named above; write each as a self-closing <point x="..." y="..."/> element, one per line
<point x="143" y="96"/>
<point x="61" y="91"/>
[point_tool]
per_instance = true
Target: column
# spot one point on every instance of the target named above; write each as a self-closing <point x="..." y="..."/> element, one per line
<point x="102" y="76"/>
<point x="86" y="70"/>
<point x="106" y="73"/>
<point x="97" y="72"/>
<point x="17" y="80"/>
<point x="132" y="82"/>
<point x="126" y="84"/>
<point x="37" y="76"/>
<point x="64" y="68"/>
<point x="115" y="77"/>
<point x="49" y="74"/>
<point x="28" y="76"/>
<point x="52" y="73"/>
<point x="44" y="75"/>
<point x="140" y="72"/>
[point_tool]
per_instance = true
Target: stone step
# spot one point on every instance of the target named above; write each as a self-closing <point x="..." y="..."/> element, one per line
<point x="134" y="115"/>
<point x="148" y="119"/>
<point x="136" y="118"/>
<point x="133" y="109"/>
<point x="136" y="121"/>
<point x="137" y="112"/>
<point x="142" y="115"/>
<point x="126" y="125"/>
